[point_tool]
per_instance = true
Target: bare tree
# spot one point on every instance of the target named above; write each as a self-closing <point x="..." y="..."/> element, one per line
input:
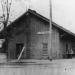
<point x="6" y="5"/>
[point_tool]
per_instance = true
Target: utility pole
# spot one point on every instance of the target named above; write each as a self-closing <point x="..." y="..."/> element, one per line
<point x="50" y="34"/>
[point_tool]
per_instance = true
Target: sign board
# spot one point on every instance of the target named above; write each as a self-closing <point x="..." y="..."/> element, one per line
<point x="43" y="32"/>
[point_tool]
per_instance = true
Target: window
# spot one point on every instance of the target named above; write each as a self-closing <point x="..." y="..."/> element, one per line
<point x="45" y="45"/>
<point x="45" y="51"/>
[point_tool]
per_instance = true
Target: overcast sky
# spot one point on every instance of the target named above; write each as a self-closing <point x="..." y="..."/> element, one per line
<point x="63" y="11"/>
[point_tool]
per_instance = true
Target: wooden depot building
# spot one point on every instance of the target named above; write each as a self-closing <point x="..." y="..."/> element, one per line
<point x="32" y="31"/>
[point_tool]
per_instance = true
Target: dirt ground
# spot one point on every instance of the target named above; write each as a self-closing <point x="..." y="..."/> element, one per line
<point x="44" y="67"/>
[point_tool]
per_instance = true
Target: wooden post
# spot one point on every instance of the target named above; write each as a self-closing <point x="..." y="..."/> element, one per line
<point x="19" y="57"/>
<point x="50" y="34"/>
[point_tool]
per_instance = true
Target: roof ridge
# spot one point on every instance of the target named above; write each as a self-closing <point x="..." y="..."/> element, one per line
<point x="45" y="19"/>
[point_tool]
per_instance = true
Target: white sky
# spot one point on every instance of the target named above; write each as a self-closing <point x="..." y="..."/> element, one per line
<point x="63" y="11"/>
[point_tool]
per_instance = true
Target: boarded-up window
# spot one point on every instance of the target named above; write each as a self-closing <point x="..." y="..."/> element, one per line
<point x="45" y="45"/>
<point x="45" y="50"/>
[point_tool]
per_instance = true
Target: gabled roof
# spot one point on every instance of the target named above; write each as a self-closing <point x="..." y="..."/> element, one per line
<point x="43" y="18"/>
<point x="53" y="23"/>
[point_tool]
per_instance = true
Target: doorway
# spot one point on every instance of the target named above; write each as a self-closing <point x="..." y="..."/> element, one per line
<point x="19" y="47"/>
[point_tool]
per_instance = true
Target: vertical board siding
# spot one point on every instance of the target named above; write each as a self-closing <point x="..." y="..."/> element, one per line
<point x="73" y="46"/>
<point x="55" y="44"/>
<point x="36" y="50"/>
<point x="62" y="48"/>
<point x="17" y="38"/>
<point x="37" y="40"/>
<point x="11" y="49"/>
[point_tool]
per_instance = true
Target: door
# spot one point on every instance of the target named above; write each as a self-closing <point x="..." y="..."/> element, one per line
<point x="19" y="47"/>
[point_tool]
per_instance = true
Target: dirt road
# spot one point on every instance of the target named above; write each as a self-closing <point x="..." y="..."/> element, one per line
<point x="55" y="67"/>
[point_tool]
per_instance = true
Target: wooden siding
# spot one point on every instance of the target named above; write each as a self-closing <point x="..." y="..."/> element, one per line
<point x="18" y="36"/>
<point x="36" y="50"/>
<point x="27" y="34"/>
<point x="62" y="48"/>
<point x="73" y="47"/>
<point x="55" y="44"/>
<point x="66" y="46"/>
<point x="37" y="40"/>
<point x="12" y="45"/>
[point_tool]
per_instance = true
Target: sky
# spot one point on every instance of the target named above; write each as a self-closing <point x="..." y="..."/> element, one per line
<point x="63" y="11"/>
